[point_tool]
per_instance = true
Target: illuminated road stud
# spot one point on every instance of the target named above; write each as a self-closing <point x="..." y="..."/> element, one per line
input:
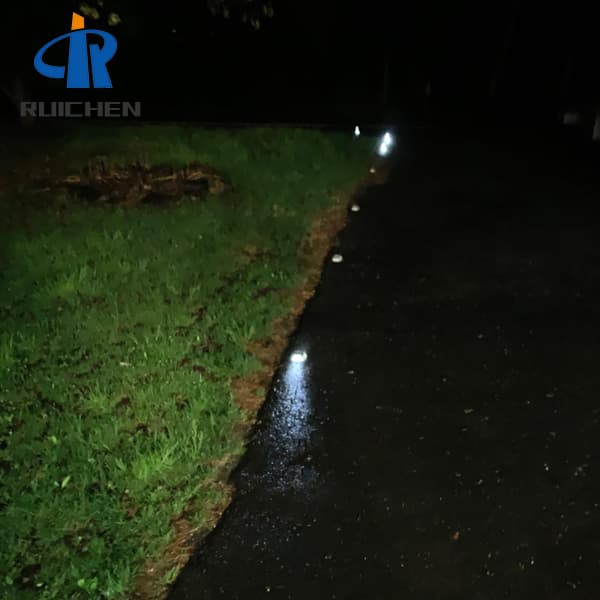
<point x="384" y="149"/>
<point x="386" y="143"/>
<point x="299" y="356"/>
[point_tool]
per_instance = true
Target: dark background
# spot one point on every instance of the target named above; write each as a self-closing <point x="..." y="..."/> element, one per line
<point x="325" y="61"/>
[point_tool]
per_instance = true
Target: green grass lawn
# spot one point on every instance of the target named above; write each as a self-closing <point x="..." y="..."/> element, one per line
<point x="121" y="331"/>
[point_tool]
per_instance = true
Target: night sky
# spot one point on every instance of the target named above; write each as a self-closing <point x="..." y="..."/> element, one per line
<point x="323" y="61"/>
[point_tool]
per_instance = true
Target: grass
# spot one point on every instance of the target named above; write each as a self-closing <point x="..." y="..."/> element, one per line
<point x="121" y="333"/>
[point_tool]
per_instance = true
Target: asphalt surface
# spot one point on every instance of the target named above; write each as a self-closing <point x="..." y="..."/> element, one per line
<point x="442" y="438"/>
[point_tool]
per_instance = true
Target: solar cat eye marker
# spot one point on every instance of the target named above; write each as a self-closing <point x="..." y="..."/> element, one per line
<point x="299" y="356"/>
<point x="383" y="149"/>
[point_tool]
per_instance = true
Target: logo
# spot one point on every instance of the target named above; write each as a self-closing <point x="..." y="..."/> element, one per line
<point x="82" y="56"/>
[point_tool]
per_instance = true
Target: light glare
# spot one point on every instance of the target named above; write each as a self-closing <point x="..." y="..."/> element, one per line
<point x="356" y="131"/>
<point x="299" y="356"/>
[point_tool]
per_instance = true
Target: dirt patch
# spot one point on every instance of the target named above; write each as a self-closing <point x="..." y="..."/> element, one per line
<point x="138" y="184"/>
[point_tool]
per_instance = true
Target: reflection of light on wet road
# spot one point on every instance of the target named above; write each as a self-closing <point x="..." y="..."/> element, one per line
<point x="292" y="411"/>
<point x="287" y="436"/>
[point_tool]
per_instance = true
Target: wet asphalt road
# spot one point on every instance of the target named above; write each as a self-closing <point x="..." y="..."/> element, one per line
<point x="442" y="439"/>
